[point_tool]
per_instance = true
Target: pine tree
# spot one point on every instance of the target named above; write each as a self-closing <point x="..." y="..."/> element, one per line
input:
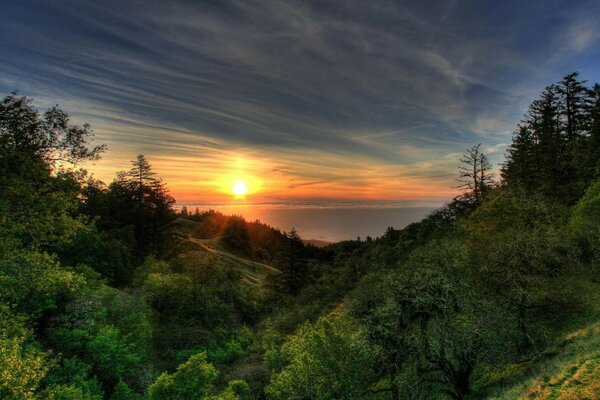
<point x="576" y="103"/>
<point x="292" y="264"/>
<point x="518" y="168"/>
<point x="141" y="172"/>
<point x="553" y="151"/>
<point x="143" y="202"/>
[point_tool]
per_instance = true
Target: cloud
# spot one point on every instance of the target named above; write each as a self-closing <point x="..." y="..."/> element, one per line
<point x="324" y="96"/>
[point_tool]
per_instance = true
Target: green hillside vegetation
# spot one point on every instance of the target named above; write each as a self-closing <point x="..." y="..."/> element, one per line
<point x="108" y="293"/>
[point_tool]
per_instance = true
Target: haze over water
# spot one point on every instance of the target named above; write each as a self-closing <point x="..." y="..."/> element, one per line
<point x="327" y="221"/>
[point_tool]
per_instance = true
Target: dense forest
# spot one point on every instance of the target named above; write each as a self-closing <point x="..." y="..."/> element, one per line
<point x="107" y="292"/>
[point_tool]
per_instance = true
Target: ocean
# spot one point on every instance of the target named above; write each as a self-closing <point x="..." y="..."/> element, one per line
<point x="327" y="221"/>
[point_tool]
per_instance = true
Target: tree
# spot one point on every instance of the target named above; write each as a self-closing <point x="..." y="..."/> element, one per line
<point x="519" y="167"/>
<point x="22" y="364"/>
<point x="399" y="310"/>
<point x="295" y="264"/>
<point x="584" y="224"/>
<point x="474" y="173"/>
<point x="48" y="140"/>
<point x="575" y="105"/>
<point x="135" y="200"/>
<point x="519" y="253"/>
<point x="555" y="150"/>
<point x="141" y="173"/>
<point x="291" y="263"/>
<point x="193" y="379"/>
<point x="235" y="235"/>
<point x="326" y="360"/>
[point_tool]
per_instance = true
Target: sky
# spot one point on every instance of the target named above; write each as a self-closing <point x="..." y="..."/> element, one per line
<point x="300" y="100"/>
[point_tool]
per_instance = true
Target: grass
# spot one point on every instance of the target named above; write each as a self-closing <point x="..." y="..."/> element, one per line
<point x="568" y="369"/>
<point x="253" y="273"/>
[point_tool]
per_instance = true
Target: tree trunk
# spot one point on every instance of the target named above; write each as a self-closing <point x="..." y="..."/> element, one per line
<point x="461" y="381"/>
<point x="394" y="384"/>
<point x="523" y="344"/>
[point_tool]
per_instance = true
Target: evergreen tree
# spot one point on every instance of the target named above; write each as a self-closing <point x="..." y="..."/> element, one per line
<point x="575" y="102"/>
<point x="135" y="200"/>
<point x="291" y="263"/>
<point x="518" y="168"/>
<point x="553" y="151"/>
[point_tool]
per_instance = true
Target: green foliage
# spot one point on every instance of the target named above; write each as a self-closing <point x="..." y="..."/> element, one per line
<point x="105" y="254"/>
<point x="235" y="235"/>
<point x="22" y="365"/>
<point x="70" y="380"/>
<point x="39" y="211"/>
<point x="69" y="392"/>
<point x="151" y="265"/>
<point x="327" y="360"/>
<point x="50" y="139"/>
<point x="193" y="379"/>
<point x="110" y="353"/>
<point x="110" y="331"/>
<point x="585" y="223"/>
<point x="123" y="392"/>
<point x="33" y="282"/>
<point x="236" y="390"/>
<point x="450" y="306"/>
<point x="520" y="252"/>
<point x="555" y="148"/>
<point x="233" y="349"/>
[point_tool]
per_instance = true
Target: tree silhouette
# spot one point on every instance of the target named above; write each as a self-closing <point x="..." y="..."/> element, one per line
<point x="50" y="139"/>
<point x="474" y="173"/>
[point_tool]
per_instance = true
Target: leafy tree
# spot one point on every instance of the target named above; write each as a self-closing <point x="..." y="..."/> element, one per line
<point x="519" y="252"/>
<point x="236" y="237"/>
<point x="396" y="309"/>
<point x="236" y="390"/>
<point x="327" y="360"/>
<point x="49" y="139"/>
<point x="23" y="366"/>
<point x="585" y="224"/>
<point x="193" y="379"/>
<point x="123" y="392"/>
<point x="33" y="283"/>
<point x="71" y="380"/>
<point x="110" y="354"/>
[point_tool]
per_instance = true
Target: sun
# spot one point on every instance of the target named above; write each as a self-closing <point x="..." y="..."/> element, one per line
<point x="239" y="188"/>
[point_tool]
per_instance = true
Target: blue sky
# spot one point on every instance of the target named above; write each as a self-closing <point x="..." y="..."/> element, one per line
<point x="333" y="99"/>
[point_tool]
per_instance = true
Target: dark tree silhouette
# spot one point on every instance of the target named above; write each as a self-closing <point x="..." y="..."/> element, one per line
<point x="50" y="140"/>
<point x="554" y="149"/>
<point x="474" y="173"/>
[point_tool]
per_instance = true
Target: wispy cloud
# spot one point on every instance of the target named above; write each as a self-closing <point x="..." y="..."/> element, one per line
<point x="318" y="97"/>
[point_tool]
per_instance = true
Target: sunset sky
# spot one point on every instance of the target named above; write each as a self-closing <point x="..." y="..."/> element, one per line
<point x="299" y="100"/>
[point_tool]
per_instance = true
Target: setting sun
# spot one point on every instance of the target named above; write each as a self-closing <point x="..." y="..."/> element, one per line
<point x="239" y="188"/>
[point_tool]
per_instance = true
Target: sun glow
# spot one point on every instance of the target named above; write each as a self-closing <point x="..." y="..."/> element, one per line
<point x="239" y="188"/>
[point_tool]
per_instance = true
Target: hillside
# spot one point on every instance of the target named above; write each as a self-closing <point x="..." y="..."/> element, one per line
<point x="183" y="233"/>
<point x="567" y="369"/>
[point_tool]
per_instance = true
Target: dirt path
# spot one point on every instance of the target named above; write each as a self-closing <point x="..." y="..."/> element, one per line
<point x="257" y="266"/>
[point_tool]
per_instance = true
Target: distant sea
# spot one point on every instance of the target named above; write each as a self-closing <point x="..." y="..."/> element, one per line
<point x="328" y="221"/>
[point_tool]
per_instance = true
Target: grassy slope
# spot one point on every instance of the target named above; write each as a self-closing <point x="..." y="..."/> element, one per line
<point x="567" y="370"/>
<point x="254" y="273"/>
